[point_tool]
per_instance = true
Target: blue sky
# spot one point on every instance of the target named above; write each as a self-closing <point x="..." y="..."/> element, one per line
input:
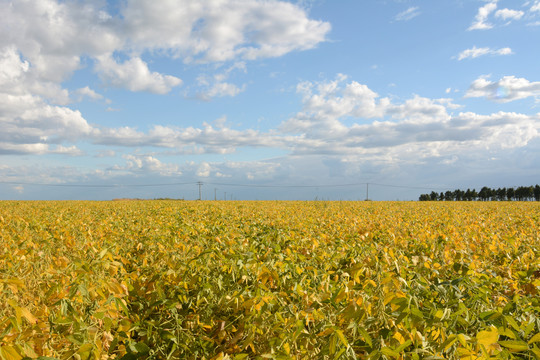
<point x="267" y="99"/>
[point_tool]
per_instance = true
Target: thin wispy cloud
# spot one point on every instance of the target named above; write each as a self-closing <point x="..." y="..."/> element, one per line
<point x="408" y="14"/>
<point x="476" y="52"/>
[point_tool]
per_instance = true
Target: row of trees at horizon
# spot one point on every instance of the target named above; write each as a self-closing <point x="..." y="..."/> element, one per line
<point x="521" y="193"/>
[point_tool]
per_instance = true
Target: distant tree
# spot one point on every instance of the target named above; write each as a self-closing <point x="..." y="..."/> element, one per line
<point x="485" y="193"/>
<point x="501" y="194"/>
<point x="510" y="193"/>
<point x="529" y="193"/>
<point x="521" y="193"/>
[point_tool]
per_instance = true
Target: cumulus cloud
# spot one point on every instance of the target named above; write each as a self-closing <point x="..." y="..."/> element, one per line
<point x="408" y="14"/>
<point x="221" y="31"/>
<point x="134" y="75"/>
<point x="500" y="16"/>
<point x="204" y="170"/>
<point x="509" y="15"/>
<point x="475" y="52"/>
<point x="507" y="89"/>
<point x="61" y="33"/>
<point x="58" y="34"/>
<point x="144" y="164"/>
<point x="328" y="124"/>
<point x="480" y="21"/>
<point x="325" y="103"/>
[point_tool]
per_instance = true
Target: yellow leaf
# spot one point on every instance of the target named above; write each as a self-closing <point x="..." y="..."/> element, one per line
<point x="326" y="332"/>
<point x="488" y="337"/>
<point x="28" y="316"/>
<point x="342" y="337"/>
<point x="535" y="338"/>
<point x="9" y="353"/>
<point x="399" y="338"/>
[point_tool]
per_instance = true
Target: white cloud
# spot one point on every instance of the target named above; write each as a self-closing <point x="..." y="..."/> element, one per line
<point x="508" y="14"/>
<point x="17" y="78"/>
<point x="480" y="21"/>
<point x="57" y="35"/>
<point x="408" y="14"/>
<point x="507" y="89"/>
<point x="221" y="30"/>
<point x="325" y="103"/>
<point x="475" y="52"/>
<point x="89" y="93"/>
<point x="143" y="164"/>
<point x="134" y="75"/>
<point x="29" y="122"/>
<point x="204" y="170"/>
<point x="60" y="33"/>
<point x="331" y="125"/>
<point x="223" y="89"/>
<point x="217" y="86"/>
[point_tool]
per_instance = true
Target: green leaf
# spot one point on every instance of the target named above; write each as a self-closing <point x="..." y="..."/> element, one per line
<point x="366" y="336"/>
<point x="389" y="352"/>
<point x="514" y="345"/>
<point x="142" y="348"/>
<point x="342" y="337"/>
<point x="449" y="342"/>
<point x="403" y="346"/>
<point x="339" y="353"/>
<point x="536" y="352"/>
<point x="512" y="322"/>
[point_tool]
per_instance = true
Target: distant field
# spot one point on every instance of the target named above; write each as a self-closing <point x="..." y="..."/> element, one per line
<point x="269" y="280"/>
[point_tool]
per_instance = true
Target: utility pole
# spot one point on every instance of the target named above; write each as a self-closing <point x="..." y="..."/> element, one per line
<point x="200" y="184"/>
<point x="225" y="195"/>
<point x="215" y="194"/>
<point x="367" y="191"/>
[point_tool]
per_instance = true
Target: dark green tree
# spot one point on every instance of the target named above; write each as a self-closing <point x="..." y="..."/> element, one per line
<point x="485" y="193"/>
<point x="510" y="193"/>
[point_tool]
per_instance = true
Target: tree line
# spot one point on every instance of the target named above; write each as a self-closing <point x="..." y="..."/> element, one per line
<point x="521" y="193"/>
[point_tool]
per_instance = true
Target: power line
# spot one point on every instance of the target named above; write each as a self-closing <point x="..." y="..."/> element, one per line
<point x="284" y="186"/>
<point x="92" y="185"/>
<point x="200" y="183"/>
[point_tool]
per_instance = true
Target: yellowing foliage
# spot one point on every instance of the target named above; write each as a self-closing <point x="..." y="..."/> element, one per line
<point x="269" y="280"/>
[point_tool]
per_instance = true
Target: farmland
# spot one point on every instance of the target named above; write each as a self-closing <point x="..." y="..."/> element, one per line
<point x="269" y="280"/>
